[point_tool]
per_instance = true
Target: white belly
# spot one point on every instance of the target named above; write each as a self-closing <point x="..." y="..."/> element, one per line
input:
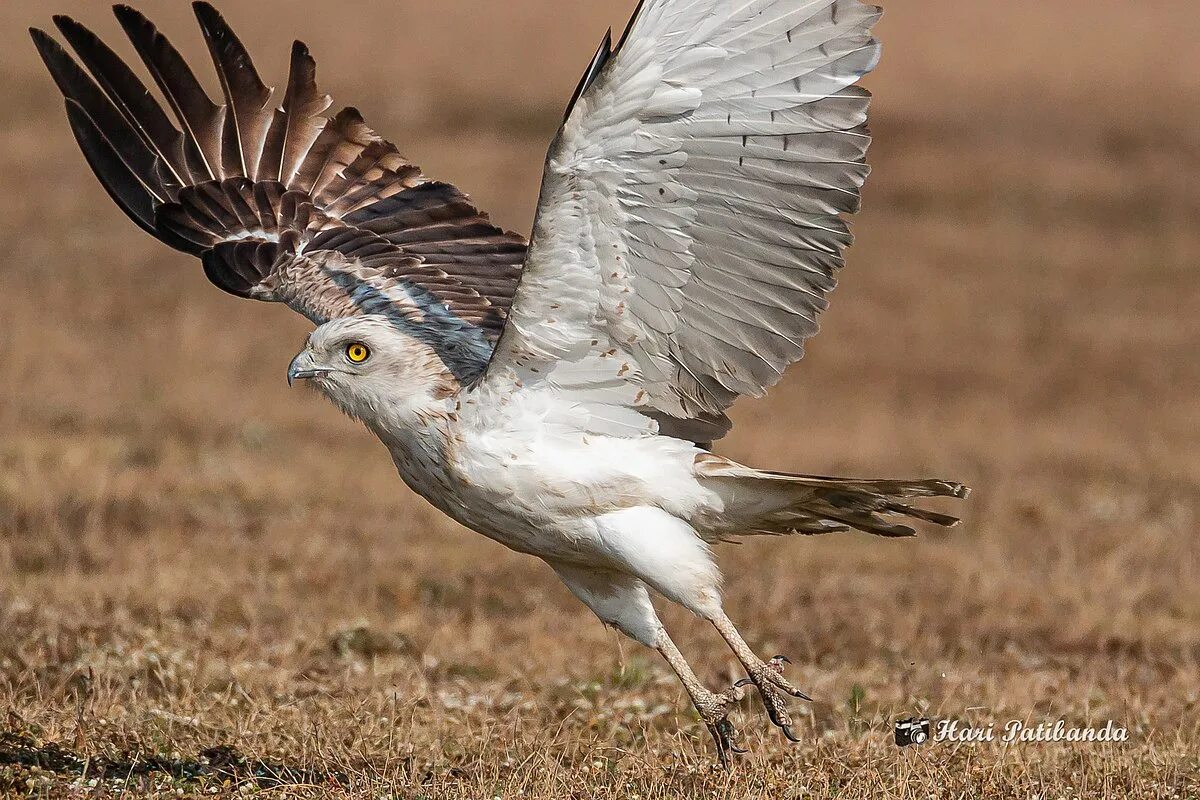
<point x="541" y="491"/>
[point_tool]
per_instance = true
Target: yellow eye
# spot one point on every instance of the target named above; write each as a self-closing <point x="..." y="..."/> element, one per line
<point x="357" y="352"/>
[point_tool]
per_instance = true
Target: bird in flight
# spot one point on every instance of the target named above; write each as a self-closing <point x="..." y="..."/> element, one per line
<point x="559" y="395"/>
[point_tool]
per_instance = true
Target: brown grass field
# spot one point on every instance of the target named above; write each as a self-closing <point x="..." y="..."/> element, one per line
<point x="210" y="584"/>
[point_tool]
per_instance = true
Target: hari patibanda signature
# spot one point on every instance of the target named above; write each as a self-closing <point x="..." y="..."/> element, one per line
<point x="952" y="730"/>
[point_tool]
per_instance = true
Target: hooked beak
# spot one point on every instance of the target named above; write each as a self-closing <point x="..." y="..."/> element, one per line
<point x="302" y="369"/>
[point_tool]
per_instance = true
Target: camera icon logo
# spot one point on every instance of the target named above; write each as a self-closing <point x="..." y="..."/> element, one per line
<point x="912" y="731"/>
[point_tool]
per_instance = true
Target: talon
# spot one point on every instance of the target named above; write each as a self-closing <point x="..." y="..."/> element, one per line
<point x="731" y="733"/>
<point x="773" y="688"/>
<point x="775" y="677"/>
<point x="793" y="691"/>
<point x="723" y="734"/>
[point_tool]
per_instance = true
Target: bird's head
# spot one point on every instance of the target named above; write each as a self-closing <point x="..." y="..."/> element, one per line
<point x="373" y="371"/>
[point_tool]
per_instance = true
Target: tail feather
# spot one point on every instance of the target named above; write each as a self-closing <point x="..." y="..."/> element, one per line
<point x="944" y="520"/>
<point x="919" y="488"/>
<point x="775" y="503"/>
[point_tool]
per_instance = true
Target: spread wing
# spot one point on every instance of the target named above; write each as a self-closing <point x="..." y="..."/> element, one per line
<point x="690" y="227"/>
<point x="283" y="203"/>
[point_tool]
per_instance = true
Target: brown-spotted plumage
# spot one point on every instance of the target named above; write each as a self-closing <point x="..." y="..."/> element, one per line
<point x="558" y="397"/>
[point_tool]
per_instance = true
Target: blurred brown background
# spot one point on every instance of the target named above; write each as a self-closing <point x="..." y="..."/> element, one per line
<point x="192" y="555"/>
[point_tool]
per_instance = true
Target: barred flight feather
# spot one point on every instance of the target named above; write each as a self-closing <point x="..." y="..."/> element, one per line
<point x="254" y="189"/>
<point x="696" y="188"/>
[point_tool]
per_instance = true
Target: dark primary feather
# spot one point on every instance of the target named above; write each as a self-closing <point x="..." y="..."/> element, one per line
<point x="298" y="123"/>
<point x="246" y="97"/>
<point x="599" y="61"/>
<point x="196" y="113"/>
<point x="130" y="96"/>
<point x="281" y="203"/>
<point x="604" y="54"/>
<point x="119" y="181"/>
<point x="123" y="139"/>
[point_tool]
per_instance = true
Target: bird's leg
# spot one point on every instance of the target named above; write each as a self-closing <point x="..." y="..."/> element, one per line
<point x="713" y="707"/>
<point x="621" y="600"/>
<point x="767" y="676"/>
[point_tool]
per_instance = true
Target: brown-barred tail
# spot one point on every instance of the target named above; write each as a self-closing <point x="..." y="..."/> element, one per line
<point x="758" y="502"/>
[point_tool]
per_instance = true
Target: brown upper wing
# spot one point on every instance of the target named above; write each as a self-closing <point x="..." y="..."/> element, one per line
<point x="281" y="203"/>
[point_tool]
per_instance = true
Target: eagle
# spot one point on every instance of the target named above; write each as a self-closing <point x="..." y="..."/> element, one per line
<point x="560" y="395"/>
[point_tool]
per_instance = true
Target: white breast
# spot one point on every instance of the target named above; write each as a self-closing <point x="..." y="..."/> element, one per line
<point x="516" y="469"/>
<point x="518" y="472"/>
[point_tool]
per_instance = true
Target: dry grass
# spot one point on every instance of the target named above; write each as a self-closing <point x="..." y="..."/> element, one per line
<point x="191" y="556"/>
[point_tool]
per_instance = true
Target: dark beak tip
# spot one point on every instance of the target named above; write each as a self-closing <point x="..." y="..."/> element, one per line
<point x="305" y="375"/>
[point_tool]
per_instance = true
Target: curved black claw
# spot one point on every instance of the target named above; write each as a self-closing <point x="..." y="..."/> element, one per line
<point x="724" y="735"/>
<point x="777" y="679"/>
<point x="773" y="688"/>
<point x="776" y="706"/>
<point x="799" y="695"/>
